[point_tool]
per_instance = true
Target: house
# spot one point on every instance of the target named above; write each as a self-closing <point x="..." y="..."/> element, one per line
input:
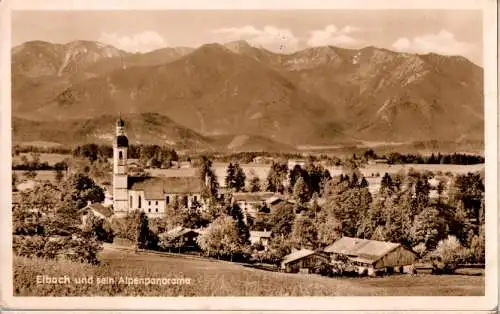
<point x="371" y="257"/>
<point x="304" y="261"/>
<point x="274" y="202"/>
<point x="97" y="210"/>
<point x="296" y="162"/>
<point x="251" y="202"/>
<point x="181" y="238"/>
<point x="260" y="237"/>
<point x="263" y="160"/>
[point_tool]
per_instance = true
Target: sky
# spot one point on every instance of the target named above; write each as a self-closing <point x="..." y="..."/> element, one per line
<point x="448" y="32"/>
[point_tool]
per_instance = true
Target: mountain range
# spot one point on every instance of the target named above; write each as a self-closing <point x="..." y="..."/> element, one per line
<point x="247" y="96"/>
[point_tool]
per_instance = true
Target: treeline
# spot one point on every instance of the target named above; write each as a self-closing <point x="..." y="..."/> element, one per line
<point x="33" y="163"/>
<point x="435" y="159"/>
<point x="18" y="149"/>
<point x="154" y="154"/>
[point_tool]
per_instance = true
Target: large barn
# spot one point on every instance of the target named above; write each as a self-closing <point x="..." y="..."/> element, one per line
<point x="371" y="257"/>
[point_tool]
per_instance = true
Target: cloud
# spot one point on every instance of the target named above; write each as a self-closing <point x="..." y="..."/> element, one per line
<point x="331" y="35"/>
<point x="141" y="42"/>
<point x="443" y="42"/>
<point x="269" y="37"/>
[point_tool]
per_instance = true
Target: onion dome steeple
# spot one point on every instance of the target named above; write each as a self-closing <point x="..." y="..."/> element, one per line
<point x="121" y="139"/>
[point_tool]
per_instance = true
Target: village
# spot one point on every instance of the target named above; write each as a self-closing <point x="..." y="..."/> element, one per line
<point x="306" y="219"/>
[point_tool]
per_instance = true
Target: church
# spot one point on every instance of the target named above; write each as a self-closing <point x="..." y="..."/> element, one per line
<point x="148" y="194"/>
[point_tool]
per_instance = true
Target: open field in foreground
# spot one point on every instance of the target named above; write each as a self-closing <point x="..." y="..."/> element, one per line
<point x="220" y="278"/>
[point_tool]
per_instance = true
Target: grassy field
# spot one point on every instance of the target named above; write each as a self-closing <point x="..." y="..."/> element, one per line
<point x="51" y="159"/>
<point x="41" y="175"/>
<point x="220" y="278"/>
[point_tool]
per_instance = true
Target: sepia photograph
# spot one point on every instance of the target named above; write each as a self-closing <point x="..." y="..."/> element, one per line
<point x="338" y="152"/>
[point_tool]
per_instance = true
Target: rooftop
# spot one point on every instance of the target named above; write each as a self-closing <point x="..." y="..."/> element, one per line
<point x="103" y="210"/>
<point x="155" y="188"/>
<point x="296" y="255"/>
<point x="260" y="234"/>
<point x="252" y="197"/>
<point x="368" y="250"/>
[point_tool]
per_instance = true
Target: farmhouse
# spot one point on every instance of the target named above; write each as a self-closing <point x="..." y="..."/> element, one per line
<point x="251" y="202"/>
<point x="260" y="237"/>
<point x="371" y="257"/>
<point x="182" y="239"/>
<point x="97" y="210"/>
<point x="303" y="261"/>
<point x="148" y="194"/>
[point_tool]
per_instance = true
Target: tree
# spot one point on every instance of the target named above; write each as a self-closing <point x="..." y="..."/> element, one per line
<point x="363" y="183"/>
<point x="14" y="181"/>
<point x="301" y="191"/>
<point x="328" y="228"/>
<point x="44" y="197"/>
<point x="142" y="231"/>
<point x="221" y="238"/>
<point x="237" y="214"/>
<point x="386" y="184"/>
<point x="59" y="175"/>
<point x="167" y="241"/>
<point x="98" y="228"/>
<point x="348" y="204"/>
<point x="254" y="184"/>
<point x="304" y="233"/>
<point x="281" y="220"/>
<point x="278" y="247"/>
<point x="296" y="173"/>
<point x="81" y="189"/>
<point x="230" y="176"/>
<point x="447" y="255"/>
<point x="240" y="177"/>
<point x="208" y="178"/>
<point x="477" y="246"/>
<point x="428" y="228"/>
<point x="469" y="191"/>
<point x="276" y="177"/>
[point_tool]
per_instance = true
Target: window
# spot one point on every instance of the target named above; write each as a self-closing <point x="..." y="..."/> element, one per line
<point x="195" y="198"/>
<point x="157" y="210"/>
<point x="140" y="201"/>
<point x="167" y="199"/>
<point x="149" y="203"/>
<point x="120" y="155"/>
<point x="156" y="203"/>
<point x="130" y="205"/>
<point x="149" y="209"/>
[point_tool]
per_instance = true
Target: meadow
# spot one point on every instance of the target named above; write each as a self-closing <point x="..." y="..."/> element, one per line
<point x="219" y="278"/>
<point x="49" y="158"/>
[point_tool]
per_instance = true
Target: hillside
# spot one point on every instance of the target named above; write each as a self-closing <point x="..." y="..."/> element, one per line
<point x="321" y="95"/>
<point x="141" y="129"/>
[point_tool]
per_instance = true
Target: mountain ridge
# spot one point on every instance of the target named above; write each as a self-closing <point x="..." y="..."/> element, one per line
<point x="318" y="95"/>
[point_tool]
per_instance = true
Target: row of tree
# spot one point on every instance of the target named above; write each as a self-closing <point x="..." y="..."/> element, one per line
<point x="444" y="159"/>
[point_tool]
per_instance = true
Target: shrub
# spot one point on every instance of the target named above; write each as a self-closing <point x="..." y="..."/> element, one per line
<point x="448" y="254"/>
<point x="77" y="249"/>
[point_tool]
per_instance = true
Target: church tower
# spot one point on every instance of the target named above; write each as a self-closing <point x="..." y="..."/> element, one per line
<point x="120" y="177"/>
